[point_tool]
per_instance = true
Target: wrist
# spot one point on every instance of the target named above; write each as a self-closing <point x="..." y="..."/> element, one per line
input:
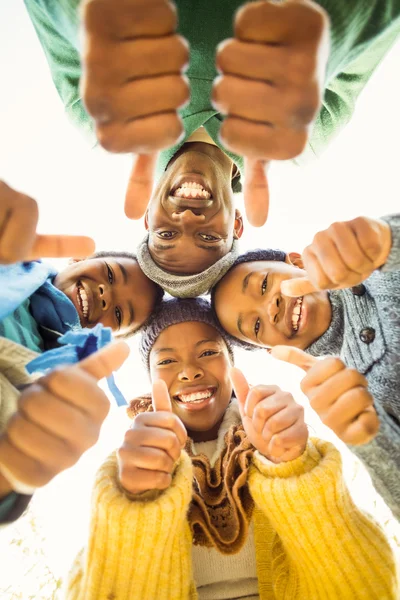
<point x="386" y="237"/>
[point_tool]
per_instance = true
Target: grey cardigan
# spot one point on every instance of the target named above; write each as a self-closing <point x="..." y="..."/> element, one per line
<point x="365" y="333"/>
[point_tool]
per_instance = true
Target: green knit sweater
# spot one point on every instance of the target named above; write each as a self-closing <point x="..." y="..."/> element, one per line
<point x="362" y="31"/>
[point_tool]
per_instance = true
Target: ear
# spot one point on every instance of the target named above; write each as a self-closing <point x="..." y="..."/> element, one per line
<point x="146" y="220"/>
<point x="238" y="225"/>
<point x="294" y="258"/>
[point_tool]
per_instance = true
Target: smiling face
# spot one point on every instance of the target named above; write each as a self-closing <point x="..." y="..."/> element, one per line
<point x="250" y="306"/>
<point x="109" y="290"/>
<point x="191" y="218"/>
<point x="193" y="360"/>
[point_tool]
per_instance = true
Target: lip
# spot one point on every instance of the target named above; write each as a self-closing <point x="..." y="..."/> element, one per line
<point x="188" y="177"/>
<point x="192" y="390"/>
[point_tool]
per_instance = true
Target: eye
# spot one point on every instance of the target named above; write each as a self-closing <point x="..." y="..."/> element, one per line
<point x="166" y="235"/>
<point x="207" y="237"/>
<point x="208" y="353"/>
<point x="110" y="274"/>
<point x="257" y="326"/>
<point x="167" y="361"/>
<point x="264" y="285"/>
<point x="118" y="316"/>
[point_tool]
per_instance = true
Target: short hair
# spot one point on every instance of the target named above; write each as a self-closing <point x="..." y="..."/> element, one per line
<point x="159" y="290"/>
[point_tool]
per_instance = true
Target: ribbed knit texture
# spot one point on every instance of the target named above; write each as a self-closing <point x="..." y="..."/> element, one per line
<point x="361" y="34"/>
<point x="378" y="309"/>
<point x="185" y="286"/>
<point x="323" y="547"/>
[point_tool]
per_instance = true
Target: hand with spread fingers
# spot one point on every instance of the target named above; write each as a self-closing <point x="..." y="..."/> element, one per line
<point x="133" y="83"/>
<point x="339" y="395"/>
<point x="270" y="88"/>
<point x="58" y="418"/>
<point x="342" y="256"/>
<point x="152" y="446"/>
<point x="273" y="421"/>
<point x="19" y="241"/>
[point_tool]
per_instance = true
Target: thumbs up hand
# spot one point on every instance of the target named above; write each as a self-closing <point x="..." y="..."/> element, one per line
<point x="58" y="418"/>
<point x="270" y="88"/>
<point x="338" y="394"/>
<point x="133" y="83"/>
<point x="273" y="421"/>
<point x="152" y="446"/>
<point x="18" y="238"/>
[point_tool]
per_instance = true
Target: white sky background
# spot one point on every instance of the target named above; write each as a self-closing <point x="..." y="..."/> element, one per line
<point x="81" y="191"/>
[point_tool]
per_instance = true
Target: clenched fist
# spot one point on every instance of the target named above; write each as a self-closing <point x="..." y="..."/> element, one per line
<point x="59" y="417"/>
<point x="133" y="83"/>
<point x="152" y="446"/>
<point x="270" y="88"/>
<point x="19" y="241"/>
<point x="342" y="256"/>
<point x="338" y="394"/>
<point x="273" y="421"/>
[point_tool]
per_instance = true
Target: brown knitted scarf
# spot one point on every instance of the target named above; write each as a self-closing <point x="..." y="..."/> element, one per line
<point x="221" y="506"/>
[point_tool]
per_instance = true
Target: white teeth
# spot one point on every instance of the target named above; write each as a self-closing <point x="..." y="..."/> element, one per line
<point x="83" y="301"/>
<point x="192" y="190"/>
<point x="196" y="396"/>
<point x="296" y="313"/>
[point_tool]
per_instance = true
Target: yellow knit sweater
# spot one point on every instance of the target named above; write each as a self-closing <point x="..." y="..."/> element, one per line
<point x="312" y="543"/>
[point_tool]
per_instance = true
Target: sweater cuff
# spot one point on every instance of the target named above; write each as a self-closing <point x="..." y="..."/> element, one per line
<point x="12" y="507"/>
<point x="303" y="464"/>
<point x="393" y="261"/>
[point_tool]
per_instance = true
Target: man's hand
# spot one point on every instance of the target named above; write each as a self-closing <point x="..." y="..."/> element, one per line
<point x="273" y="421"/>
<point x="133" y="84"/>
<point x="59" y="417"/>
<point x="152" y="446"/>
<point x="270" y="88"/>
<point x="18" y="238"/>
<point x="342" y="256"/>
<point x="338" y="394"/>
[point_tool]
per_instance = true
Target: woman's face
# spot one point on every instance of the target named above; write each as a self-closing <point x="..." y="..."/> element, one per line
<point x="250" y="306"/>
<point x="193" y="360"/>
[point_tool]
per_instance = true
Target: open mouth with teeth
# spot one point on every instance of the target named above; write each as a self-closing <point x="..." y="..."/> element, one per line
<point x="197" y="397"/>
<point x="83" y="301"/>
<point x="296" y="315"/>
<point x="192" y="191"/>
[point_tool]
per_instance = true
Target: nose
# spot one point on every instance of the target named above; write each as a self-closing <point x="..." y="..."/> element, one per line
<point x="188" y="217"/>
<point x="105" y="297"/>
<point x="273" y="308"/>
<point x="191" y="373"/>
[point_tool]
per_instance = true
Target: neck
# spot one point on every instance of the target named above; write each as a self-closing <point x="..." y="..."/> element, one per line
<point x="206" y="436"/>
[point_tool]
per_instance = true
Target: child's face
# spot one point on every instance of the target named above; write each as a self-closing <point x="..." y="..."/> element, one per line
<point x="193" y="360"/>
<point x="250" y="306"/>
<point x="112" y="291"/>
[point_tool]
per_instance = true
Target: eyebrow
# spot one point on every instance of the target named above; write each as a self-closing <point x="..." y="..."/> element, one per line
<point x="204" y="342"/>
<point x="166" y="247"/>
<point x="164" y="350"/>
<point x="123" y="271"/>
<point x="131" y="312"/>
<point x="173" y="246"/>
<point x="239" y="324"/>
<point x="246" y="281"/>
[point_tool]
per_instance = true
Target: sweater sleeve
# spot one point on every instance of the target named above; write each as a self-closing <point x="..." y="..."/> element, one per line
<point x="137" y="549"/>
<point x="325" y="546"/>
<point x="62" y="54"/>
<point x="393" y="261"/>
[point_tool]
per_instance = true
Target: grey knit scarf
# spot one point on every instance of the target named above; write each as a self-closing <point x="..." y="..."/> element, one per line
<point x="185" y="286"/>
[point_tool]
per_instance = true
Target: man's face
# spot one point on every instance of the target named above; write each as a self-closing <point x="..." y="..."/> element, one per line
<point x="193" y="360"/>
<point x="250" y="306"/>
<point x="191" y="218"/>
<point x="112" y="291"/>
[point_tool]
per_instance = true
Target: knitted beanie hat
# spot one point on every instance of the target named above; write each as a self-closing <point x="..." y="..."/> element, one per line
<point x="174" y="311"/>
<point x="251" y="256"/>
<point x="185" y="286"/>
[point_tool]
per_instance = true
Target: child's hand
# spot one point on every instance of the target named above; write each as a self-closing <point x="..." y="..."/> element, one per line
<point x="342" y="256"/>
<point x="133" y="84"/>
<point x="338" y="394"/>
<point x="59" y="417"/>
<point x="273" y="421"/>
<point x="147" y="457"/>
<point x="271" y="87"/>
<point x="18" y="238"/>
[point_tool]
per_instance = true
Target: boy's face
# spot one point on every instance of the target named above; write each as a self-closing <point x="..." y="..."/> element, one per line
<point x="193" y="360"/>
<point x="110" y="290"/>
<point x="250" y="306"/>
<point x="191" y="217"/>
